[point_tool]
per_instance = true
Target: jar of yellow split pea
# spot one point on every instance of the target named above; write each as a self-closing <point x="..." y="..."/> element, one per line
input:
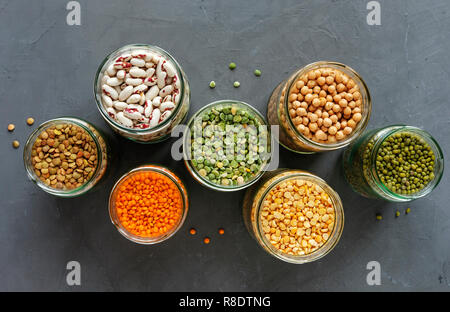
<point x="294" y="215"/>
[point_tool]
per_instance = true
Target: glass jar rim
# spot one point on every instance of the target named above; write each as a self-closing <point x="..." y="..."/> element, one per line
<point x="148" y="240"/>
<point x="361" y="125"/>
<point x="32" y="139"/>
<point x="186" y="157"/>
<point x="439" y="160"/>
<point x="98" y="100"/>
<point x="337" y="206"/>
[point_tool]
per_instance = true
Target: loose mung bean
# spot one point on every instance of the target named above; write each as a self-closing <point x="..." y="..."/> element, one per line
<point x="64" y="156"/>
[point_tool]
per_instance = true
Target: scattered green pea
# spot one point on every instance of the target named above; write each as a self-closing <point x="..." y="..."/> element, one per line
<point x="257" y="72"/>
<point x="408" y="210"/>
<point x="212" y="84"/>
<point x="236" y="84"/>
<point x="397" y="214"/>
<point x="232" y="66"/>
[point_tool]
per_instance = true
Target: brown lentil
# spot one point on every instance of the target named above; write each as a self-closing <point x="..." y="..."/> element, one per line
<point x="297" y="217"/>
<point x="16" y="144"/>
<point x="64" y="156"/>
<point x="11" y="127"/>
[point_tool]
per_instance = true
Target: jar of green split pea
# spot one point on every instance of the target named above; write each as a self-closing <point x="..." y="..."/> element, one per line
<point x="396" y="163"/>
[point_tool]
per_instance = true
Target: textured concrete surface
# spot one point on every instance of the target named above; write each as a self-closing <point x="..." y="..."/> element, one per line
<point x="47" y="70"/>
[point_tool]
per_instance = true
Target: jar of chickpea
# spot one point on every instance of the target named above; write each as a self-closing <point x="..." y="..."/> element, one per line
<point x="294" y="215"/>
<point x="321" y="107"/>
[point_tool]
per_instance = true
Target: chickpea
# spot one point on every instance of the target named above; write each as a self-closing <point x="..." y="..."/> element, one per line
<point x="297" y="121"/>
<point x="331" y="139"/>
<point x="311" y="75"/>
<point x="317" y="89"/>
<point x="338" y="77"/>
<point x="313" y="127"/>
<point x="347" y="130"/>
<point x="292" y="97"/>
<point x="356" y="110"/>
<point x="329" y="80"/>
<point x="300" y="84"/>
<point x="320" y="135"/>
<point x="356" y="95"/>
<point x="351" y="123"/>
<point x="343" y="123"/>
<point x="325" y="115"/>
<point x="343" y="103"/>
<point x="328" y="106"/>
<point x="332" y="130"/>
<point x="341" y="87"/>
<point x="292" y="113"/>
<point x="347" y="111"/>
<point x="304" y="90"/>
<point x="357" y="117"/>
<point x="329" y="98"/>
<point x="320" y="122"/>
<point x="318" y="112"/>
<point x="301" y="128"/>
<point x="337" y="98"/>
<point x="336" y="108"/>
<point x="327" y="122"/>
<point x="305" y="121"/>
<point x="296" y="104"/>
<point x="323" y="101"/>
<point x="304" y="105"/>
<point x="337" y="125"/>
<point x="321" y="81"/>
<point x="300" y="111"/>
<point x="316" y="102"/>
<point x="323" y="94"/>
<point x="351" y="84"/>
<point x="340" y="135"/>
<point x="334" y="118"/>
<point x="311" y="84"/>
<point x="352" y="104"/>
<point x="331" y="89"/>
<point x="308" y="98"/>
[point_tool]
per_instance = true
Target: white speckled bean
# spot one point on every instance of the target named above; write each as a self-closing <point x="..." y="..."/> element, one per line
<point x="134" y="98"/>
<point x="148" y="108"/>
<point x="120" y="105"/>
<point x="150" y="65"/>
<point x="165" y="115"/>
<point x="169" y="69"/>
<point x="177" y="83"/>
<point x="152" y="93"/>
<point x="122" y="65"/>
<point x="105" y="78"/>
<point x="133" y="81"/>
<point x="139" y="108"/>
<point x="132" y="113"/>
<point x="150" y="72"/>
<point x="150" y="81"/>
<point x="139" y="53"/>
<point x="107" y="100"/>
<point x="156" y="101"/>
<point x="110" y="91"/>
<point x="111" y="112"/>
<point x="143" y="98"/>
<point x="138" y="72"/>
<point x="124" y="120"/>
<point x="160" y="74"/>
<point x="111" y="70"/>
<point x="156" y="114"/>
<point x="125" y="93"/>
<point x="114" y="82"/>
<point x="121" y="74"/>
<point x="166" y="90"/>
<point x="140" y="88"/>
<point x="166" y="105"/>
<point x="137" y="62"/>
<point x="167" y="98"/>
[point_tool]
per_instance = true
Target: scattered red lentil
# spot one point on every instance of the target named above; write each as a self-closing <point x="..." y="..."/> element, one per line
<point x="193" y="231"/>
<point x="221" y="231"/>
<point x="206" y="240"/>
<point x="149" y="204"/>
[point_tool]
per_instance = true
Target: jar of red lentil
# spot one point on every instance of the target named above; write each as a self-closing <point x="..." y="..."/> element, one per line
<point x="321" y="107"/>
<point x="148" y="204"/>
<point x="396" y="163"/>
<point x="66" y="156"/>
<point x="294" y="215"/>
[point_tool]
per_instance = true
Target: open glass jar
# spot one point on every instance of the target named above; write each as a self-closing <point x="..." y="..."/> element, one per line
<point x="159" y="172"/>
<point x="264" y="224"/>
<point x="177" y="98"/>
<point x="336" y="109"/>
<point x="71" y="169"/>
<point x="226" y="145"/>
<point x="366" y="172"/>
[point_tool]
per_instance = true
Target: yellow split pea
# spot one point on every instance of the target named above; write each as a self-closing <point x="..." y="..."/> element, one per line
<point x="297" y="217"/>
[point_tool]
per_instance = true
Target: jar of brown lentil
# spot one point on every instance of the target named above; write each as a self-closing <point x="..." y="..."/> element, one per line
<point x="321" y="107"/>
<point x="294" y="215"/>
<point x="66" y="156"/>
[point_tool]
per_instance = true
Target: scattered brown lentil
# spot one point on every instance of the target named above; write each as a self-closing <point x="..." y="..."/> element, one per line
<point x="11" y="127"/>
<point x="297" y="217"/>
<point x="30" y="121"/>
<point x="16" y="144"/>
<point x="64" y="156"/>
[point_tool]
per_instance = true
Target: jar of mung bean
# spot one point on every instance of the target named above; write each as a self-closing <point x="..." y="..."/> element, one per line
<point x="293" y="215"/>
<point x="66" y="156"/>
<point x="396" y="163"/>
<point x="321" y="107"/>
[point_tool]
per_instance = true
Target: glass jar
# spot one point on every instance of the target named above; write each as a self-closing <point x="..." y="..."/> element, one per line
<point x="154" y="239"/>
<point x="161" y="131"/>
<point x="102" y="156"/>
<point x="264" y="137"/>
<point x="359" y="162"/>
<point x="290" y="137"/>
<point x="252" y="209"/>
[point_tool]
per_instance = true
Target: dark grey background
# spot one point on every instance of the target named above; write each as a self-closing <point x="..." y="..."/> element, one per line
<point x="47" y="70"/>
